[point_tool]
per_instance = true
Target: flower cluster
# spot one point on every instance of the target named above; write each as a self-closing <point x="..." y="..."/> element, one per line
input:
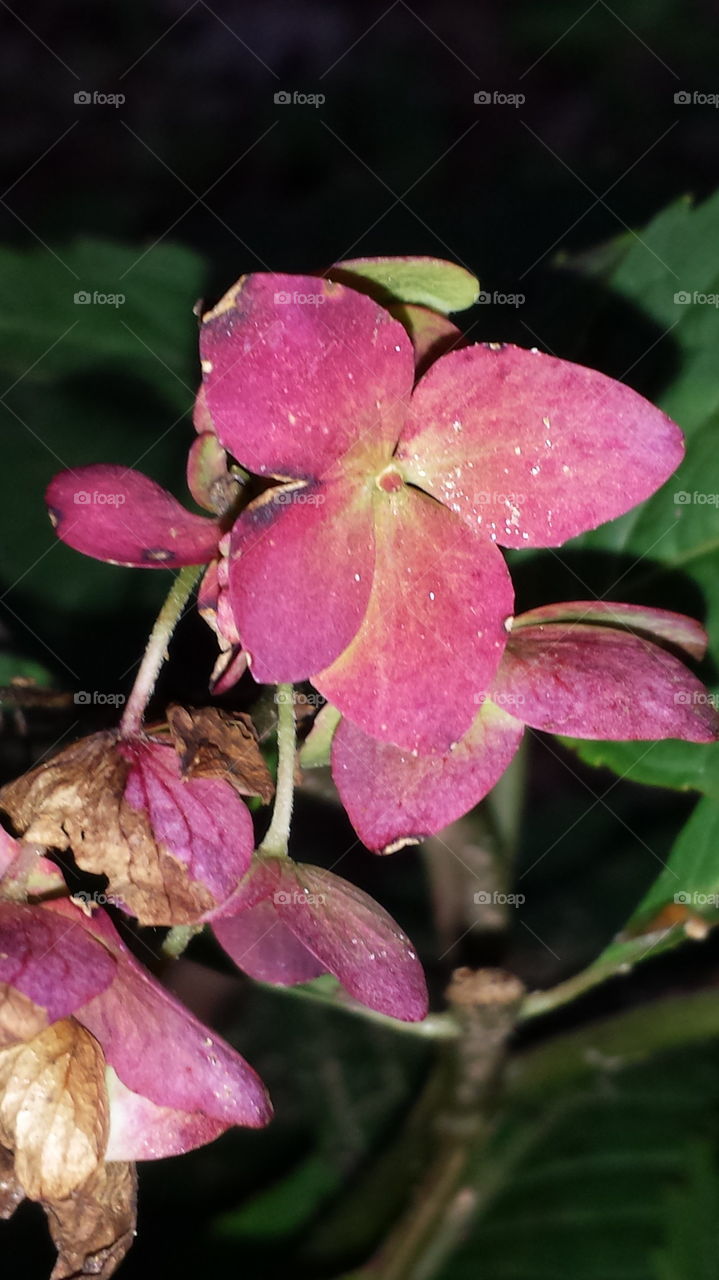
<point x="361" y="467"/>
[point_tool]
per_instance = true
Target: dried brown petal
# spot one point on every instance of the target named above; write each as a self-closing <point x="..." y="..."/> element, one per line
<point x="20" y="1019"/>
<point x="212" y="743"/>
<point x="95" y="1227"/>
<point x="53" y="1109"/>
<point x="77" y="801"/>
<point x="11" y="1193"/>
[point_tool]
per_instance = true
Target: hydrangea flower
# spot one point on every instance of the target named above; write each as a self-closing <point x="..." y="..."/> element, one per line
<point x="586" y="669"/>
<point x="99" y="1066"/>
<point x="371" y="561"/>
<point x="291" y="922"/>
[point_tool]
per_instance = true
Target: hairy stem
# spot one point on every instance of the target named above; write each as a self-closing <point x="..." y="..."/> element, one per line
<point x="277" y="838"/>
<point x="156" y="651"/>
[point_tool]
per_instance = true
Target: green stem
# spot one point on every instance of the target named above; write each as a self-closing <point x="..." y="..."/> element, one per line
<point x="156" y="651"/>
<point x="276" y="841"/>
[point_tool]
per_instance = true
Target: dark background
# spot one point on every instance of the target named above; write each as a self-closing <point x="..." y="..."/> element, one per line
<point x="398" y="159"/>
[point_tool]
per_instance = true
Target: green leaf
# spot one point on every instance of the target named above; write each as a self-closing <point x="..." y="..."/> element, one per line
<point x="97" y="303"/>
<point x="677" y="531"/>
<point x="284" y="1207"/>
<point x="691" y="1217"/>
<point x="428" y="282"/>
<point x="684" y="895"/>
<point x="691" y="876"/>
<point x="589" y="1193"/>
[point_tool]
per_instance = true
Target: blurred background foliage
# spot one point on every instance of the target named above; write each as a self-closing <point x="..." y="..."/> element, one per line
<point x="593" y="200"/>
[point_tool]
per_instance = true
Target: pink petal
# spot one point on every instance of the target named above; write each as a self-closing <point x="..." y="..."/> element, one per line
<point x="121" y="516"/>
<point x="432" y="334"/>
<point x="201" y="420"/>
<point x="433" y="634"/>
<point x="430" y="282"/>
<point x="263" y="946"/>
<point x="354" y="938"/>
<point x="300" y="576"/>
<point x="391" y="795"/>
<point x="297" y="370"/>
<point x="533" y="450"/>
<point x="594" y="682"/>
<point x="140" y="1130"/>
<point x="9" y="850"/>
<point x="674" y="628"/>
<point x="159" y="1050"/>
<point x="201" y="821"/>
<point x="50" y="958"/>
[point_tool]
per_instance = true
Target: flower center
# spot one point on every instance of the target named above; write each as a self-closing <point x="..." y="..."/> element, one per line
<point x="390" y="480"/>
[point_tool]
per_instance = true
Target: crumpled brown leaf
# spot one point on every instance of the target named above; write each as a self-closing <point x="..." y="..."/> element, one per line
<point x="11" y="1193"/>
<point x="54" y="1112"/>
<point x="76" y="800"/>
<point x="20" y="1019"/>
<point x="94" y="1228"/>
<point x="212" y="743"/>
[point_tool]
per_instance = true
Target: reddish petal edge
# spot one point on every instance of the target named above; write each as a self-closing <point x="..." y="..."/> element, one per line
<point x="120" y="516"/>
<point x="596" y="682"/>
<point x="391" y="795"/>
<point x="659" y="624"/>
